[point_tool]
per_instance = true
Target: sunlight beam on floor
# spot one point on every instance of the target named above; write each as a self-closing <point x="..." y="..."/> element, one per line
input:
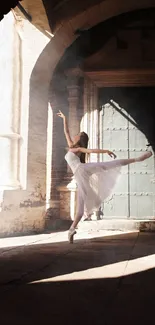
<point x="115" y="270"/>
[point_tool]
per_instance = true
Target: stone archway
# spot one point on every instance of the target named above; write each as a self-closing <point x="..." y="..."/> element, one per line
<point x="51" y="54"/>
<point x="44" y="68"/>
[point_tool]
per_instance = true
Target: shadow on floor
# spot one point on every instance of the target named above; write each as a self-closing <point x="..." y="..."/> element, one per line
<point x="120" y="299"/>
<point x="93" y="302"/>
<point x="33" y="262"/>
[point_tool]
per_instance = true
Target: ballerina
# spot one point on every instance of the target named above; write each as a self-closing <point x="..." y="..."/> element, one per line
<point x="95" y="181"/>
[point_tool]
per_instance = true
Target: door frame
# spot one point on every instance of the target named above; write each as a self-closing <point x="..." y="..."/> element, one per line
<point x="123" y="78"/>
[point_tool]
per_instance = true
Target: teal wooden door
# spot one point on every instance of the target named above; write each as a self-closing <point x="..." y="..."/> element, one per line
<point x="134" y="194"/>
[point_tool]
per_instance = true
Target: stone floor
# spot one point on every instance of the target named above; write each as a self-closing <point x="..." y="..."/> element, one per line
<point x="104" y="278"/>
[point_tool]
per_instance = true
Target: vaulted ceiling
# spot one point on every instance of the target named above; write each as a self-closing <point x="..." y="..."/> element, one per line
<point x="55" y="13"/>
<point x="58" y="11"/>
<point x="90" y="43"/>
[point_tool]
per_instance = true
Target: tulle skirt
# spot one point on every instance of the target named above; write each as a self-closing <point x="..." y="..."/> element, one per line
<point x="96" y="182"/>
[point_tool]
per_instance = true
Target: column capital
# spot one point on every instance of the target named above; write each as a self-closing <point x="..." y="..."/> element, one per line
<point x="76" y="72"/>
<point x="73" y="77"/>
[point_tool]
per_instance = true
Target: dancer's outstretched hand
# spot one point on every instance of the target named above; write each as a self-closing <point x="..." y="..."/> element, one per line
<point x="111" y="154"/>
<point x="60" y="114"/>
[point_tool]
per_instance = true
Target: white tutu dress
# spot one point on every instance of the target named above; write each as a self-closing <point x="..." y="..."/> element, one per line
<point x="95" y="181"/>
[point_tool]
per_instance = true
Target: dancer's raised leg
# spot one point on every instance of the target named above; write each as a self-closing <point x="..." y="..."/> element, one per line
<point x="123" y="162"/>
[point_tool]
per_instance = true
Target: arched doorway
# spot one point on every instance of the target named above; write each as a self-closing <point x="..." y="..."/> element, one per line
<point x="83" y="64"/>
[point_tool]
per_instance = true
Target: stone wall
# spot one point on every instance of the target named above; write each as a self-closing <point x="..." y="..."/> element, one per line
<point x="22" y="207"/>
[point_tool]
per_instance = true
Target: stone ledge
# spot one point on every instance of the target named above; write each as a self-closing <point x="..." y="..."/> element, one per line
<point x="119" y="224"/>
<point x="105" y="224"/>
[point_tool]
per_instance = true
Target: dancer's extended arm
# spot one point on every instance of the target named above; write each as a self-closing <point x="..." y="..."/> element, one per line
<point x="66" y="129"/>
<point x="80" y="149"/>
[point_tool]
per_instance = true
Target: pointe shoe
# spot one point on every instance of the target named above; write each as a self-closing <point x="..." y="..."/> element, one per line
<point x="146" y="155"/>
<point x="71" y="234"/>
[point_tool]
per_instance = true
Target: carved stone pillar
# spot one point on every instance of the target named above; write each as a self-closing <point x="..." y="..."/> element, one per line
<point x="68" y="187"/>
<point x="73" y="78"/>
<point x="73" y="100"/>
<point x="91" y="124"/>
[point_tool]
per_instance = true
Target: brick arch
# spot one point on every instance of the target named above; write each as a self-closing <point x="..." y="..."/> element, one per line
<point x="44" y="68"/>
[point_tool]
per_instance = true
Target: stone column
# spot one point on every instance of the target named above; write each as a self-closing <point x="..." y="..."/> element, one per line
<point x="91" y="123"/>
<point x="68" y="187"/>
<point x="73" y="86"/>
